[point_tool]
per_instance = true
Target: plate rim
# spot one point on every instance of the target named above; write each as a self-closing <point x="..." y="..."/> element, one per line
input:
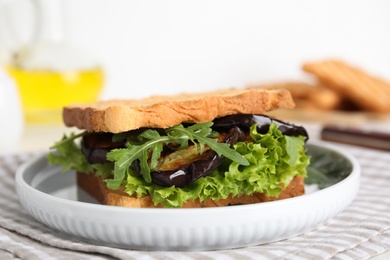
<point x="258" y="221"/>
<point x="355" y="172"/>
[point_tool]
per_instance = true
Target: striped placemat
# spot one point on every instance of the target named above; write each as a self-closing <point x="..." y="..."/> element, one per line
<point x="360" y="232"/>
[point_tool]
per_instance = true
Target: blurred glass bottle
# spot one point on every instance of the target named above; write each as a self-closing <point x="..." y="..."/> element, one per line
<point x="50" y="72"/>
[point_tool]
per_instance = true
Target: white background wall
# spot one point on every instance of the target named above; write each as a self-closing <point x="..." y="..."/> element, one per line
<point x="169" y="46"/>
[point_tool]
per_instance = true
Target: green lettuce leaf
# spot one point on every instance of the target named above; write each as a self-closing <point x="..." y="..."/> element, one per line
<point x="261" y="165"/>
<point x="270" y="158"/>
<point x="67" y="153"/>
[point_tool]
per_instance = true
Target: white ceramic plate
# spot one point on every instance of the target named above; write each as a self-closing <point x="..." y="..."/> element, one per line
<point x="52" y="198"/>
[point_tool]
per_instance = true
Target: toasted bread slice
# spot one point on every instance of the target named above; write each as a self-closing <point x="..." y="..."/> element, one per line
<point x="97" y="189"/>
<point x="117" y="116"/>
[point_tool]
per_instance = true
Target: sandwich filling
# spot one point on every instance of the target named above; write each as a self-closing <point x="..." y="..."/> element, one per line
<point x="233" y="155"/>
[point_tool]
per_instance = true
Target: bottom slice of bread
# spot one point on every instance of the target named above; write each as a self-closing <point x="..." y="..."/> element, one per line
<point x="97" y="189"/>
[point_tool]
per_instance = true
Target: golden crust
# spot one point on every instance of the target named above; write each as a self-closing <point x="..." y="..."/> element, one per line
<point x="97" y="189"/>
<point x="117" y="116"/>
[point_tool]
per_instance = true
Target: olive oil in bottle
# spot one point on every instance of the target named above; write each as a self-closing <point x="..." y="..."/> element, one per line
<point x="44" y="92"/>
<point x="49" y="70"/>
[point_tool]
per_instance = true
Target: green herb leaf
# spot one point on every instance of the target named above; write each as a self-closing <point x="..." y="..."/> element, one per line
<point x="155" y="151"/>
<point x="200" y="133"/>
<point x="147" y="149"/>
<point x="269" y="166"/>
<point x="125" y="157"/>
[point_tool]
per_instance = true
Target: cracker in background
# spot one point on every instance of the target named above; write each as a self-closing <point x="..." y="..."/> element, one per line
<point x="307" y="96"/>
<point x="366" y="91"/>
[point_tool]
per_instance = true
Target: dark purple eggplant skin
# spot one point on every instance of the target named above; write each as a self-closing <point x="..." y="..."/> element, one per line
<point x="237" y="125"/>
<point x="185" y="176"/>
<point x="95" y="146"/>
<point x="245" y="121"/>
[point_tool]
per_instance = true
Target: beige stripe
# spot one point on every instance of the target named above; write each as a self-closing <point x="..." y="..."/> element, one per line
<point x="313" y="248"/>
<point x="12" y="162"/>
<point x="167" y="255"/>
<point x="352" y="254"/>
<point x="368" y="211"/>
<point x="336" y="241"/>
<point x="329" y="238"/>
<point x="7" y="189"/>
<point x="372" y="194"/>
<point x="361" y="254"/>
<point x="373" y="189"/>
<point x="310" y="253"/>
<point x="370" y="205"/>
<point x="26" y="248"/>
<point x="242" y="255"/>
<point x="355" y="217"/>
<point x="256" y="254"/>
<point x="376" y="194"/>
<point x="375" y="245"/>
<point x="371" y="246"/>
<point x="373" y="203"/>
<point x="4" y="255"/>
<point x="344" y="242"/>
<point x="370" y="183"/>
<point x="369" y="214"/>
<point x="279" y="251"/>
<point x="13" y="213"/>
<point x="23" y="250"/>
<point x="271" y="251"/>
<point x="6" y="199"/>
<point x="54" y="241"/>
<point x="363" y="224"/>
<point x="377" y="165"/>
<point x="374" y="178"/>
<point x="7" y="172"/>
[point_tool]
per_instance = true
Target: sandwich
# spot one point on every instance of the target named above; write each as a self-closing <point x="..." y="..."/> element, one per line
<point x="185" y="151"/>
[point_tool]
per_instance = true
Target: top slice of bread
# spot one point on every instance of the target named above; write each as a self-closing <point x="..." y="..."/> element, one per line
<point x="117" y="116"/>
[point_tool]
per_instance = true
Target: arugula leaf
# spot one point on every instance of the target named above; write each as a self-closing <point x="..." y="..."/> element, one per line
<point x="125" y="157"/>
<point x="200" y="133"/>
<point x="147" y="149"/>
<point x="269" y="167"/>
<point x="157" y="149"/>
